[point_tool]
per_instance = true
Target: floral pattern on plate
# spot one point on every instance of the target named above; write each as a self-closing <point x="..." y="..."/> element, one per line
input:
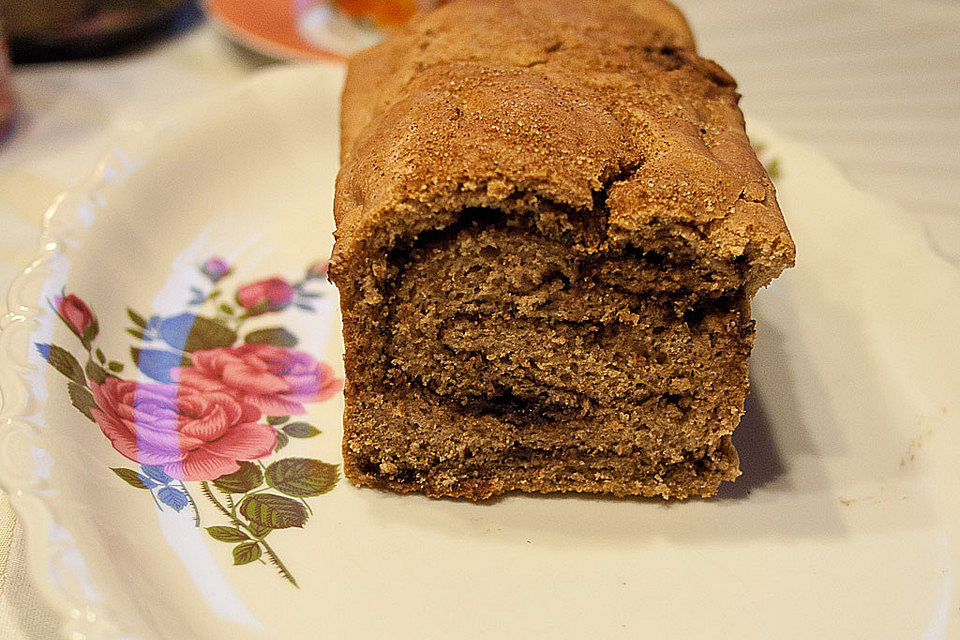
<point x="212" y="407"/>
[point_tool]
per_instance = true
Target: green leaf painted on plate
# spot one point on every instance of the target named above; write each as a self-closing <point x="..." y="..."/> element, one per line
<point x="282" y="441"/>
<point x="63" y="361"/>
<point x="89" y="334"/>
<point x="276" y="336"/>
<point x="81" y="398"/>
<point x="275" y="420"/>
<point x="227" y="534"/>
<point x="259" y="530"/>
<point x="302" y="477"/>
<point x="258" y="309"/>
<point x="133" y="478"/>
<point x="190" y="333"/>
<point x="247" y="478"/>
<point x="246" y="552"/>
<point x="95" y="372"/>
<point x="773" y="168"/>
<point x="301" y="430"/>
<point x="273" y="511"/>
<point x="136" y="318"/>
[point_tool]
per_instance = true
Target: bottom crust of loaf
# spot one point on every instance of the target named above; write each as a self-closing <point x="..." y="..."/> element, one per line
<point x="521" y="470"/>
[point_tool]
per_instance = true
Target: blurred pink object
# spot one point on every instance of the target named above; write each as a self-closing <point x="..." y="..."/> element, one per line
<point x="6" y="88"/>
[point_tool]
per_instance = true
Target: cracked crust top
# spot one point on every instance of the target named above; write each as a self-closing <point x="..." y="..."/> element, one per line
<point x="600" y="106"/>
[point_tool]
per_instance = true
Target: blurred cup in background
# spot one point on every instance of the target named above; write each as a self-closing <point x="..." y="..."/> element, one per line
<point x="24" y="17"/>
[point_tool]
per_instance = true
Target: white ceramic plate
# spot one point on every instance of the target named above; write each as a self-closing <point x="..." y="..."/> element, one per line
<point x="843" y="525"/>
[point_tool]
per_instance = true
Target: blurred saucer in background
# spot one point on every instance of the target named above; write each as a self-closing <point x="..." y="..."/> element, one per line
<point x="311" y="29"/>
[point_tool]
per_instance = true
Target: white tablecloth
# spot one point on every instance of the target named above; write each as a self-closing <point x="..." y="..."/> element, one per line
<point x="875" y="86"/>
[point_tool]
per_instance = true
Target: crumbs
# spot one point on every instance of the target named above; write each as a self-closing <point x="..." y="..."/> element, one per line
<point x="879" y="496"/>
<point x="918" y="442"/>
<point x="914" y="449"/>
<point x="870" y="499"/>
<point x="915" y="446"/>
<point x="847" y="502"/>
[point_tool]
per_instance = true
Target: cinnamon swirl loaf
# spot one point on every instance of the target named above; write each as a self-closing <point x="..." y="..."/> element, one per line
<point x="550" y="226"/>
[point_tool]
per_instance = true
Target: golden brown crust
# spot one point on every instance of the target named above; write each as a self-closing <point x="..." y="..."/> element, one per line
<point x="463" y="31"/>
<point x="485" y="101"/>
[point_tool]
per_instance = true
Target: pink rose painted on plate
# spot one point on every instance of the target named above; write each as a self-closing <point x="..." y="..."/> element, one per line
<point x="217" y="411"/>
<point x="272" y="294"/>
<point x="192" y="433"/>
<point x="77" y="316"/>
<point x="277" y="380"/>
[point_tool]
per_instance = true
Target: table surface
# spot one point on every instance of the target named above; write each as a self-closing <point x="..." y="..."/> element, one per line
<point x="893" y="132"/>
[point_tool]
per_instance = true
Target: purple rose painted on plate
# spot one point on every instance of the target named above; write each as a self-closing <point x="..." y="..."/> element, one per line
<point x="217" y="410"/>
<point x="215" y="268"/>
<point x="277" y="380"/>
